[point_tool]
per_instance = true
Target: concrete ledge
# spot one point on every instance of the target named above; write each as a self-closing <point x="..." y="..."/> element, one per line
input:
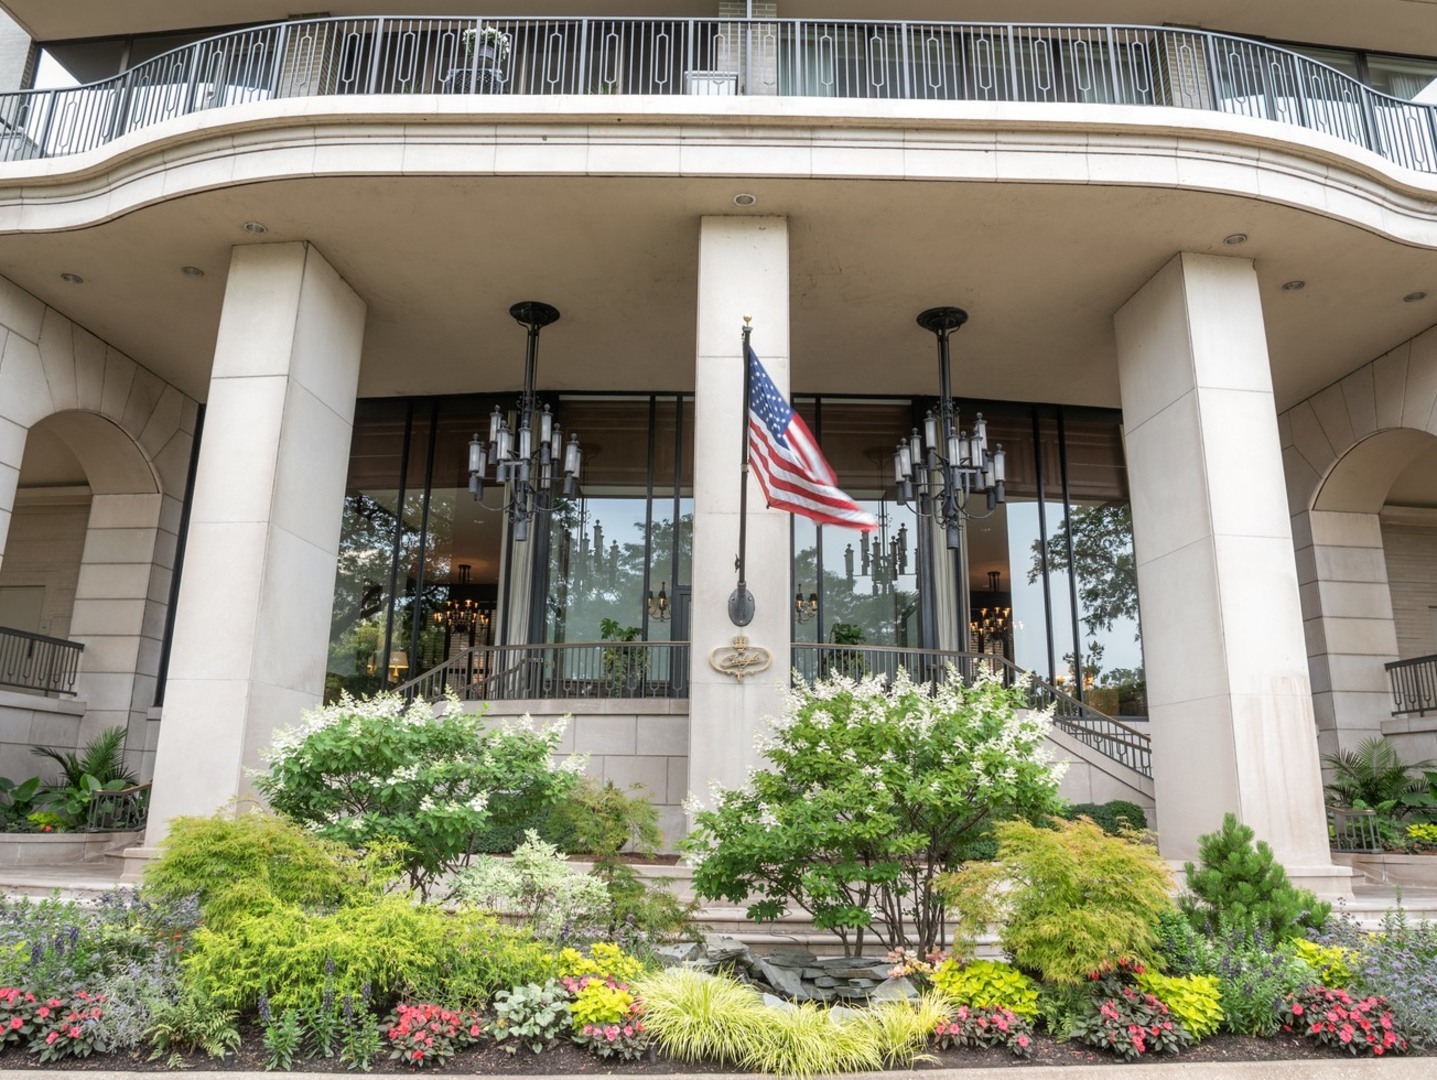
<point x="1393" y="869"/>
<point x="49" y="849"/>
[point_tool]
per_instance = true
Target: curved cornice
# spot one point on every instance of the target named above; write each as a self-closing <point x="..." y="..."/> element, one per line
<point x="802" y="138"/>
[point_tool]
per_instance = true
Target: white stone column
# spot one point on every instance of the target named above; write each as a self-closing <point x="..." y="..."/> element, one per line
<point x="743" y="270"/>
<point x="252" y="623"/>
<point x="1228" y="690"/>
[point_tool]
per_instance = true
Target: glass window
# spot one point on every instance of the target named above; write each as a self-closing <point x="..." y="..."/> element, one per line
<point x="1410" y="80"/>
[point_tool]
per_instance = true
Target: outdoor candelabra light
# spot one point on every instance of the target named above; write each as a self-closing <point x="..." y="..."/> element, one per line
<point x="805" y="609"/>
<point x="941" y="468"/>
<point x="526" y="462"/>
<point x="659" y="607"/>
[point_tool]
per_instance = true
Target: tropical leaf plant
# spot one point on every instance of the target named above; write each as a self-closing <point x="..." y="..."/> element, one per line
<point x="1374" y="777"/>
<point x="103" y="758"/>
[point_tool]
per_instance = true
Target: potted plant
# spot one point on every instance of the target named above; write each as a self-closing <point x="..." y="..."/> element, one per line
<point x="485" y="50"/>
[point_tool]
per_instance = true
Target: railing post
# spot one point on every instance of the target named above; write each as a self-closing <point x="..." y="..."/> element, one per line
<point x="377" y="46"/>
<point x="281" y="46"/>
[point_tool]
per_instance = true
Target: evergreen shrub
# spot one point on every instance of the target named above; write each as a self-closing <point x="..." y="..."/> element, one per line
<point x="1238" y="883"/>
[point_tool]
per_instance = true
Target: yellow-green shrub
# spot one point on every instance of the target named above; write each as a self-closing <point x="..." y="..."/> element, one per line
<point x="605" y="960"/>
<point x="1195" y="1000"/>
<point x="693" y="1016"/>
<point x="1332" y="963"/>
<point x="987" y="984"/>
<point x="597" y="1002"/>
<point x="389" y="943"/>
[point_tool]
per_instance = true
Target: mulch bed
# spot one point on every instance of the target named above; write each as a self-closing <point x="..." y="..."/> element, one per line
<point x="564" y="1058"/>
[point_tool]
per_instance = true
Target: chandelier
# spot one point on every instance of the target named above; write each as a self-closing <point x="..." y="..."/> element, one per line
<point x="526" y="461"/>
<point x="462" y="616"/>
<point x="941" y="468"/>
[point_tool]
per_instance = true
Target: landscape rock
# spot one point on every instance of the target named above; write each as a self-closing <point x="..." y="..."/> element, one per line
<point x="895" y="990"/>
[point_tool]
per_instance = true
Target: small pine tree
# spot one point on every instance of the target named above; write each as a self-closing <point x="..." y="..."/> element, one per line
<point x="1240" y="884"/>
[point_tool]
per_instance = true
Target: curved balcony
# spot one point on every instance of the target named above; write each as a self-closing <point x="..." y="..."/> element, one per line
<point x="1054" y="64"/>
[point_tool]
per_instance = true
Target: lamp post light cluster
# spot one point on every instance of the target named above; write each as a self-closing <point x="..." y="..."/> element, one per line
<point x="526" y="461"/>
<point x="940" y="469"/>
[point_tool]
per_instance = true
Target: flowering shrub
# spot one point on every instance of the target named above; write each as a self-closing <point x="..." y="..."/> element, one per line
<point x="382" y="769"/>
<point x="420" y="1035"/>
<point x="907" y="964"/>
<point x="987" y="984"/>
<point x="985" y="1026"/>
<point x="1128" y="1021"/>
<point x="870" y="791"/>
<point x="1334" y="1018"/>
<point x="17" y="1016"/>
<point x="67" y="1027"/>
<point x="1399" y="963"/>
<point x="555" y="900"/>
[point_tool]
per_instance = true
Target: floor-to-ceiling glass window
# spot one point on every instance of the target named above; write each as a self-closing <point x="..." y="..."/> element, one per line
<point x="424" y="569"/>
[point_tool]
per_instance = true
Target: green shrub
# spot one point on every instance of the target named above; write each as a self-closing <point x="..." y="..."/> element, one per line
<point x="1256" y="978"/>
<point x="1238" y="884"/>
<point x="233" y="863"/>
<point x="1072" y="899"/>
<point x="1182" y="950"/>
<point x="1115" y="818"/>
<point x="694" y="1016"/>
<point x="366" y="771"/>
<point x="1333" y="963"/>
<point x="1374" y="777"/>
<point x="1196" y="1000"/>
<point x="555" y="900"/>
<point x="531" y="1015"/>
<point x="388" y="944"/>
<point x="191" y="1025"/>
<point x="868" y="794"/>
<point x="987" y="984"/>
<point x="598" y="818"/>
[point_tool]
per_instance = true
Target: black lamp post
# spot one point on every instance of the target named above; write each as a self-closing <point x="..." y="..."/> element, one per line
<point x="527" y="460"/>
<point x="940" y="468"/>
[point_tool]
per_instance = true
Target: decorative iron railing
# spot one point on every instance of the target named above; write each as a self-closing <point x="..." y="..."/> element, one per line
<point x="1414" y="685"/>
<point x="1353" y="830"/>
<point x="1111" y="738"/>
<point x="35" y="662"/>
<point x="1022" y="62"/>
<point x="597" y="669"/>
<point x="119" y="811"/>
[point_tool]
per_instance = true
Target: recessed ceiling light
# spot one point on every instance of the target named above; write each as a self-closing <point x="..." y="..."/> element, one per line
<point x="192" y="271"/>
<point x="743" y="198"/>
<point x="1235" y="239"/>
<point x="73" y="279"/>
<point x="1293" y="286"/>
<point x="254" y="227"/>
<point x="1413" y="297"/>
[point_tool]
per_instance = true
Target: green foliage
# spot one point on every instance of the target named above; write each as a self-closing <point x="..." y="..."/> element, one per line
<point x="531" y="1015"/>
<point x="1255" y="979"/>
<point x="103" y="758"/>
<point x="1333" y="963"/>
<point x="1130" y="1022"/>
<point x="603" y="960"/>
<point x="359" y="1044"/>
<point x="554" y="900"/>
<point x="1196" y="1000"/>
<point x="1115" y="818"/>
<point x="1062" y="1007"/>
<point x="869" y="793"/>
<point x="232" y="864"/>
<point x="1072" y="899"/>
<point x="696" y="1017"/>
<point x="599" y="1001"/>
<point x="1181" y="948"/>
<point x="362" y="772"/>
<point x="1373" y="777"/>
<point x="387" y="945"/>
<point x="598" y="818"/>
<point x="19" y="802"/>
<point x="987" y="984"/>
<point x="283" y="1037"/>
<point x="1421" y="836"/>
<point x="1237" y="883"/>
<point x="191" y="1025"/>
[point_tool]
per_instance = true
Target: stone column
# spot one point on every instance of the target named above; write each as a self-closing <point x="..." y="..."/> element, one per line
<point x="743" y="270"/>
<point x="252" y="622"/>
<point x="1228" y="689"/>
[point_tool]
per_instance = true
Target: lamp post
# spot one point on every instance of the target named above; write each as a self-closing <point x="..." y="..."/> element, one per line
<point x="939" y="469"/>
<point x="526" y="458"/>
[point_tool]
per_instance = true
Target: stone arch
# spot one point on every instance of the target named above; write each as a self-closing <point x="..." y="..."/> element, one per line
<point x="133" y="434"/>
<point x="1344" y="448"/>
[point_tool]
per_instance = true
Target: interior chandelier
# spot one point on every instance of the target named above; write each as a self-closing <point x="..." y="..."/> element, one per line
<point x="941" y="468"/>
<point x="526" y="462"/>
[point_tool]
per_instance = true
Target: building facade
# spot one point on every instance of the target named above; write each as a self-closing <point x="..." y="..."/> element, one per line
<point x="258" y="274"/>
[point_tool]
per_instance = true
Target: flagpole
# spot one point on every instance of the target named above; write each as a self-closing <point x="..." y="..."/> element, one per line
<point x="740" y="603"/>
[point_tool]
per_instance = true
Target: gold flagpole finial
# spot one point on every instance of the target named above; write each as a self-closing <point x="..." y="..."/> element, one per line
<point x="748" y="320"/>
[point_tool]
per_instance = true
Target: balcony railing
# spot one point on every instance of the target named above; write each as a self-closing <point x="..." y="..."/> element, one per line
<point x="1111" y="738"/>
<point x="597" y="669"/>
<point x="35" y="662"/>
<point x="912" y="61"/>
<point x="1414" y="685"/>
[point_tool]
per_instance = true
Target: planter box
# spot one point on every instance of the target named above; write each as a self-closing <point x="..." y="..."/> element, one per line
<point x="1419" y="871"/>
<point x="54" y="849"/>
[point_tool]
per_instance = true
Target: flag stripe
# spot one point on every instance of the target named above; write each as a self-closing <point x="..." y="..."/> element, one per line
<point x="786" y="459"/>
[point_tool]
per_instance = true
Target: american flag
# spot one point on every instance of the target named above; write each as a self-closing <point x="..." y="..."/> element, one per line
<point x="788" y="463"/>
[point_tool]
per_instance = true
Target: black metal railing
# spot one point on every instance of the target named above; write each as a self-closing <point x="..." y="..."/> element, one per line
<point x="35" y="662"/>
<point x="595" y="669"/>
<point x="1414" y="685"/>
<point x="920" y="61"/>
<point x="1354" y="830"/>
<point x="1109" y="737"/>
<point x="124" y="810"/>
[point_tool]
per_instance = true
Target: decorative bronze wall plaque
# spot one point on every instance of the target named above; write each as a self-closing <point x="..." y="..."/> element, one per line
<point x="740" y="659"/>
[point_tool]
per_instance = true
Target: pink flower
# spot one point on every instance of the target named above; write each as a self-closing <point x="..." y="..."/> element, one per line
<point x="50" y="1038"/>
<point x="16" y="1022"/>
